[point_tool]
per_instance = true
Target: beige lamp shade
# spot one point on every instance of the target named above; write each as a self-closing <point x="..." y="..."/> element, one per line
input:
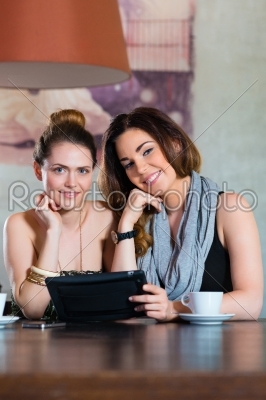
<point x="48" y="44"/>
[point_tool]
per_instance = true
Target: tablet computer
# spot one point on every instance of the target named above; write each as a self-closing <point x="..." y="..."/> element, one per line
<point x="96" y="297"/>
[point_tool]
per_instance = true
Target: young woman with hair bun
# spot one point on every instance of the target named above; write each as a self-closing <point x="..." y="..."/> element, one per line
<point x="65" y="234"/>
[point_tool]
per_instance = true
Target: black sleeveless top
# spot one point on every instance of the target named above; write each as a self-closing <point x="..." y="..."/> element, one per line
<point x="217" y="275"/>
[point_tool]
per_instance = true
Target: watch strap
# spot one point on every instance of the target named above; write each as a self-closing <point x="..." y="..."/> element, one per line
<point x="126" y="235"/>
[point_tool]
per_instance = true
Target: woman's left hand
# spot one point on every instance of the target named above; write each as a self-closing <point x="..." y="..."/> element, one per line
<point x="155" y="303"/>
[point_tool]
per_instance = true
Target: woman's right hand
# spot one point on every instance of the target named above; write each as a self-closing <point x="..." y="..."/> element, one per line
<point x="136" y="203"/>
<point x="47" y="211"/>
<point x="155" y="303"/>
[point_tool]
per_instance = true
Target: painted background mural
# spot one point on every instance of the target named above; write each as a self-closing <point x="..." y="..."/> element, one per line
<point x="159" y="43"/>
<point x="159" y="39"/>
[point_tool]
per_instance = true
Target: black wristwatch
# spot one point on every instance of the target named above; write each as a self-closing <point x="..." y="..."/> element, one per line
<point x="117" y="237"/>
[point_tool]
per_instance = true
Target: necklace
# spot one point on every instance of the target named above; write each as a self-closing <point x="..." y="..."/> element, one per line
<point x="80" y="246"/>
<point x="80" y="243"/>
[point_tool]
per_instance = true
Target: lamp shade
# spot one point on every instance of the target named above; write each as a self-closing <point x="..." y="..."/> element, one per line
<point x="48" y="44"/>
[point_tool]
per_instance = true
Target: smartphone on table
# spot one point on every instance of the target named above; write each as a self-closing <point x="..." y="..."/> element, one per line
<point x="43" y="324"/>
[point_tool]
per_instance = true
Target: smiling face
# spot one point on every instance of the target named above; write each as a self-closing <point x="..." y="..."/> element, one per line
<point x="66" y="174"/>
<point x="144" y="162"/>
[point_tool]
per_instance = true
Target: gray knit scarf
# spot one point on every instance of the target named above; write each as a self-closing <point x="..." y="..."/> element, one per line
<point x="179" y="268"/>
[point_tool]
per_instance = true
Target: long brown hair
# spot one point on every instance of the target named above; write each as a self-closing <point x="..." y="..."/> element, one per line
<point x="113" y="180"/>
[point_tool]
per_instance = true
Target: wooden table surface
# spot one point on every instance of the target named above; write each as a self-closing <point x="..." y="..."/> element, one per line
<point x="138" y="359"/>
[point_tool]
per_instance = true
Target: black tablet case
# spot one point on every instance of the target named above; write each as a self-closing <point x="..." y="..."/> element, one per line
<point x="96" y="297"/>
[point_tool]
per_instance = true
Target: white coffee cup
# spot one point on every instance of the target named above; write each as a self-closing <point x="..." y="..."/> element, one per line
<point x="2" y="303"/>
<point x="205" y="303"/>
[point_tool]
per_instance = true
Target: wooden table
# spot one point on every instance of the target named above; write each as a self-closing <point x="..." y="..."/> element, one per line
<point x="134" y="361"/>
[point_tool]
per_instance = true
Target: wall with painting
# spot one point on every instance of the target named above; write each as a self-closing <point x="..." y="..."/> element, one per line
<point x="191" y="58"/>
<point x="229" y="119"/>
<point x="159" y="42"/>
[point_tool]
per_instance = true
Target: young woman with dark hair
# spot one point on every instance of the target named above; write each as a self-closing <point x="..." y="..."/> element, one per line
<point x="188" y="235"/>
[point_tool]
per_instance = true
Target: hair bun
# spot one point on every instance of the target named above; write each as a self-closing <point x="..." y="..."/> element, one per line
<point x="67" y="116"/>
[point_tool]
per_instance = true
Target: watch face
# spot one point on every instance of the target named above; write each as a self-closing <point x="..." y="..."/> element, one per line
<point x="114" y="237"/>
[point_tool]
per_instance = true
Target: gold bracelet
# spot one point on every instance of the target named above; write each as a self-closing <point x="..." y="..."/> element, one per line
<point x="44" y="272"/>
<point x="36" y="278"/>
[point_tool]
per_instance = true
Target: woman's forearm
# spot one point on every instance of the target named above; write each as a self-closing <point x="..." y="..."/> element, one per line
<point x="48" y="257"/>
<point x="246" y="305"/>
<point x="124" y="256"/>
<point x="32" y="299"/>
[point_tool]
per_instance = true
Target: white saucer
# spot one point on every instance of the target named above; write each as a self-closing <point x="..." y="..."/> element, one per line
<point x="8" y="319"/>
<point x="201" y="319"/>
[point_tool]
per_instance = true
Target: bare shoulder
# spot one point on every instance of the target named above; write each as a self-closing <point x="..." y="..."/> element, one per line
<point x="101" y="217"/>
<point x="229" y="201"/>
<point x="18" y="238"/>
<point x="234" y="218"/>
<point x="102" y="210"/>
<point x="20" y="220"/>
<point x="234" y="206"/>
